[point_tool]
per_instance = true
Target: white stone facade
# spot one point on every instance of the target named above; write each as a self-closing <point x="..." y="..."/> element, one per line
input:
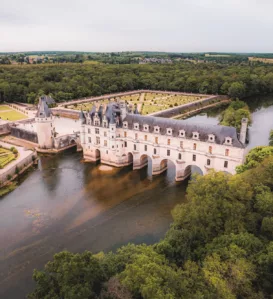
<point x="122" y="142"/>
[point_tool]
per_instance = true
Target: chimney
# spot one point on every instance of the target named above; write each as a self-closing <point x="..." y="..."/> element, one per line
<point x="243" y="130"/>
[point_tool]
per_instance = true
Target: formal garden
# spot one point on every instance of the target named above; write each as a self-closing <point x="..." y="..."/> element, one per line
<point x="7" y="155"/>
<point x="146" y="103"/>
<point x="8" y="113"/>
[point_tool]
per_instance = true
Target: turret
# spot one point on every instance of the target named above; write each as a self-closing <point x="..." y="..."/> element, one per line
<point x="82" y="118"/>
<point x="44" y="125"/>
<point x="243" y="130"/>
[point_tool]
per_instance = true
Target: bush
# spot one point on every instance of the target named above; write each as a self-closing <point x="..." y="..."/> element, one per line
<point x="9" y="177"/>
<point x="17" y="170"/>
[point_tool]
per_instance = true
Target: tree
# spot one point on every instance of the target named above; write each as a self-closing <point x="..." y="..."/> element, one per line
<point x="237" y="90"/>
<point x="271" y="138"/>
<point x="69" y="275"/>
<point x="254" y="157"/>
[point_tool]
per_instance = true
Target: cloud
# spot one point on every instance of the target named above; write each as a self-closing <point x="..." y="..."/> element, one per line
<point x="108" y="25"/>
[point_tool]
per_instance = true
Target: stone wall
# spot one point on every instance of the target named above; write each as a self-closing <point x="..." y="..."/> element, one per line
<point x="69" y="113"/>
<point x="190" y="106"/>
<point x="24" y="160"/>
<point x="24" y="134"/>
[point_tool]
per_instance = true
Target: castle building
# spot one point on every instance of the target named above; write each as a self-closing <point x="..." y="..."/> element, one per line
<point x="119" y="137"/>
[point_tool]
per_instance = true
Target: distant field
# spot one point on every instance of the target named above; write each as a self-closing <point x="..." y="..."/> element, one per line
<point x="146" y="102"/>
<point x="7" y="113"/>
<point x="265" y="60"/>
<point x="6" y="156"/>
<point x="217" y="55"/>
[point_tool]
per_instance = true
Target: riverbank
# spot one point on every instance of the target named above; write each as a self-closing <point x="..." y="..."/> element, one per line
<point x="67" y="204"/>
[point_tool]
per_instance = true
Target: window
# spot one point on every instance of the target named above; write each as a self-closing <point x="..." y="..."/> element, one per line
<point x="208" y="162"/>
<point x="182" y="133"/>
<point x="193" y="157"/>
<point x="226" y="164"/>
<point x="125" y="134"/>
<point x="97" y="131"/>
<point x="227" y="152"/>
<point x="145" y="148"/>
<point x="112" y="129"/>
<point x="194" y="146"/>
<point x="136" y="126"/>
<point x="145" y="137"/>
<point x="88" y="131"/>
<point x="105" y="134"/>
<point x="96" y="123"/>
<point x="136" y="136"/>
<point x="179" y="156"/>
<point x="105" y="142"/>
<point x="134" y="147"/>
<point x="89" y="139"/>
<point x="169" y="142"/>
<point x="97" y="140"/>
<point x="154" y="151"/>
<point x="168" y="152"/>
<point x="156" y="140"/>
<point x="125" y="144"/>
<point x="210" y="149"/>
<point x="181" y="144"/>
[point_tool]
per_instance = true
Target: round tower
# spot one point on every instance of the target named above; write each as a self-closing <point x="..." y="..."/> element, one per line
<point x="44" y="125"/>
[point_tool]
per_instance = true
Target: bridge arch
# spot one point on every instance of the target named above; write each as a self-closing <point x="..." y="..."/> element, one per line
<point x="97" y="155"/>
<point x="169" y="167"/>
<point x="192" y="169"/>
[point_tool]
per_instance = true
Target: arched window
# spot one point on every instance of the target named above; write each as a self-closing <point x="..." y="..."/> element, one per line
<point x="136" y="136"/>
<point x="210" y="149"/>
<point x="179" y="156"/>
<point x="154" y="151"/>
<point x="125" y="134"/>
<point x="169" y="141"/>
<point x="194" y="146"/>
<point x="227" y="152"/>
<point x="145" y="137"/>
<point x="181" y="144"/>
<point x="156" y="140"/>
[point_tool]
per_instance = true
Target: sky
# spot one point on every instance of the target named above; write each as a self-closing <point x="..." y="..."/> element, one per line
<point x="136" y="25"/>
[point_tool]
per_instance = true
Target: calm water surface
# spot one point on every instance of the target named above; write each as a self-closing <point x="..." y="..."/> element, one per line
<point x="68" y="204"/>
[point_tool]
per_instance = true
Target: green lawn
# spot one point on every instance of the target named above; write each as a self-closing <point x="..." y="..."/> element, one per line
<point x="12" y="115"/>
<point x="4" y="107"/>
<point x="6" y="156"/>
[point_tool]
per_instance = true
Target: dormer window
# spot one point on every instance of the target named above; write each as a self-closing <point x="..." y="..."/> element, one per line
<point x="136" y="126"/>
<point x="96" y="123"/>
<point x="195" y="135"/>
<point x="156" y="129"/>
<point x="105" y="123"/>
<point x="125" y="124"/>
<point x="182" y="133"/>
<point x="146" y="128"/>
<point x="211" y="138"/>
<point x="169" y="131"/>
<point x="228" y="141"/>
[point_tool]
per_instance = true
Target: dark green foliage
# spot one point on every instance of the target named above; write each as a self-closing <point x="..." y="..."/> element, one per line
<point x="73" y="80"/>
<point x="220" y="246"/>
<point x="233" y="115"/>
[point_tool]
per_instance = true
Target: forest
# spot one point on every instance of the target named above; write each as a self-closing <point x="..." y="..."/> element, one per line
<point x="219" y="246"/>
<point x="24" y="83"/>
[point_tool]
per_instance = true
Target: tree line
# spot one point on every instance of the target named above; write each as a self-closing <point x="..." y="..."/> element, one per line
<point x="23" y="83"/>
<point x="220" y="246"/>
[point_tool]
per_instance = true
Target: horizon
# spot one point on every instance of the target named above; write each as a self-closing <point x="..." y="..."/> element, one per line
<point x="175" y="26"/>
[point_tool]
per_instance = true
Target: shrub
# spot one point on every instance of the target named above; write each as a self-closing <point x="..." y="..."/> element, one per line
<point x="9" y="177"/>
<point x="17" y="170"/>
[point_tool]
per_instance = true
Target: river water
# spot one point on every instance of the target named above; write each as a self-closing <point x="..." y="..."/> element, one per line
<point x="68" y="204"/>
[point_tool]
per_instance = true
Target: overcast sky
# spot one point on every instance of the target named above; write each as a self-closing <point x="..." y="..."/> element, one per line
<point x="151" y="25"/>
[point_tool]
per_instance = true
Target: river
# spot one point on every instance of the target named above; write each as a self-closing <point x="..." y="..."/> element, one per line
<point x="68" y="204"/>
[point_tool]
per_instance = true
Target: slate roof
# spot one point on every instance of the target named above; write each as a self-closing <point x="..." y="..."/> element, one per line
<point x="43" y="110"/>
<point x="220" y="132"/>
